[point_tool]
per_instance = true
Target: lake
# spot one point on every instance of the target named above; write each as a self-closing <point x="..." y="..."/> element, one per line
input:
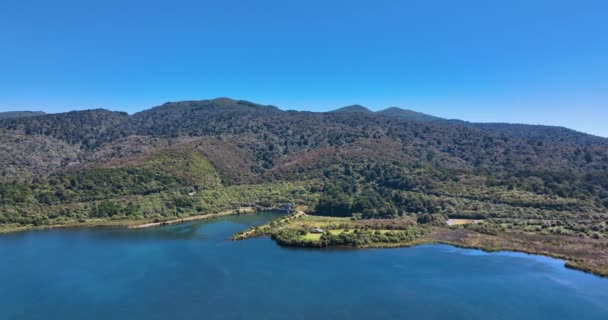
<point x="193" y="271"/>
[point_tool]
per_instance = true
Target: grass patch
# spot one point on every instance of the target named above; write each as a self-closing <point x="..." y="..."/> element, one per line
<point x="312" y="237"/>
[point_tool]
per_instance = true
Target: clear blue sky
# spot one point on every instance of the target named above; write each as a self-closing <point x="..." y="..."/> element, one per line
<point x="543" y="61"/>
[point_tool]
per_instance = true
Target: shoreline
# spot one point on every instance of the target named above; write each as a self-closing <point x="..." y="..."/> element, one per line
<point x="254" y="232"/>
<point x="199" y="217"/>
<point x="121" y="223"/>
<point x="569" y="262"/>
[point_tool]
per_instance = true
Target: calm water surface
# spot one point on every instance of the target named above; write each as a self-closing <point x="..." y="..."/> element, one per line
<point x="192" y="271"/>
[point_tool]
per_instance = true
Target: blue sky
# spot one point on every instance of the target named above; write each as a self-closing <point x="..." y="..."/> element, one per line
<point x="539" y="62"/>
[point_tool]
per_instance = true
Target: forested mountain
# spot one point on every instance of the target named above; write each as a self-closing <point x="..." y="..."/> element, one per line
<point x="351" y="161"/>
<point x="20" y="114"/>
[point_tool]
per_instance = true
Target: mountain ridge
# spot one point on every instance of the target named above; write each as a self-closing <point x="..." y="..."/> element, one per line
<point x="20" y="114"/>
<point x="225" y="104"/>
<point x="229" y="118"/>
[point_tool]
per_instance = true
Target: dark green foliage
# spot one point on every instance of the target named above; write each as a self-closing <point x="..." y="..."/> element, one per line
<point x="106" y="209"/>
<point x="104" y="183"/>
<point x="337" y="205"/>
<point x="360" y="237"/>
<point x="424" y="218"/>
<point x="293" y="237"/>
<point x="14" y="193"/>
<point x="431" y="219"/>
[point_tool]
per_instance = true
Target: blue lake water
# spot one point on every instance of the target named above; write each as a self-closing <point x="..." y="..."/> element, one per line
<point x="193" y="271"/>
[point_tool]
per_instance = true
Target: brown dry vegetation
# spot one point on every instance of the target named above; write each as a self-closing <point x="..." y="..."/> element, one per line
<point x="581" y="253"/>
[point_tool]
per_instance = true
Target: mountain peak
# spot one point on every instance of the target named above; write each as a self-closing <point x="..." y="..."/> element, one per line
<point x="394" y="109"/>
<point x="216" y="105"/>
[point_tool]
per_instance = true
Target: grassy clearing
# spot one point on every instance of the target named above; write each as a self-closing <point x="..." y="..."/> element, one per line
<point x="459" y="222"/>
<point x="312" y="237"/>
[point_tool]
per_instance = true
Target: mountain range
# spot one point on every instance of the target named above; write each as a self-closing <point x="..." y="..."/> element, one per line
<point x="380" y="164"/>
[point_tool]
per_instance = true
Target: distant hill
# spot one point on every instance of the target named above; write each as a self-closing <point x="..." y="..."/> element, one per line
<point x="20" y="114"/>
<point x="538" y="133"/>
<point x="207" y="106"/>
<point x="408" y="114"/>
<point x="353" y="109"/>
